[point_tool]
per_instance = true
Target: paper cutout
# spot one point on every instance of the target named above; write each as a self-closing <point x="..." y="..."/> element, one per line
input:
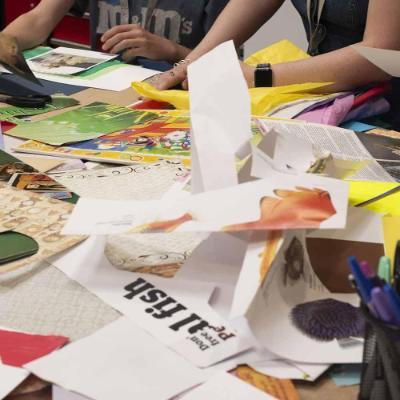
<point x="159" y="254"/>
<point x="363" y="191"/>
<point x="23" y="176"/>
<point x="289" y="282"/>
<point x="14" y="246"/>
<point x="17" y="348"/>
<point x="136" y="182"/>
<point x="42" y="300"/>
<point x="38" y="217"/>
<point x="84" y="123"/>
<point x="10" y="378"/>
<point x="134" y="360"/>
<point x="220" y="118"/>
<point x="320" y="202"/>
<point x="279" y="388"/>
<point x="59" y="393"/>
<point x="179" y="316"/>
<point x="67" y="61"/>
<point x="223" y="386"/>
<point x="163" y="135"/>
<point x="17" y="115"/>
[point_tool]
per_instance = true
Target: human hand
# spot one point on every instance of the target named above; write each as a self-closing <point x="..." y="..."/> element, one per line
<point x="173" y="77"/>
<point x="12" y="59"/>
<point x="135" y="41"/>
<point x="178" y="75"/>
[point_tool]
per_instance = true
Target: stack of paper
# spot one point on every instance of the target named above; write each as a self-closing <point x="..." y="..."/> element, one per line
<point x="213" y="287"/>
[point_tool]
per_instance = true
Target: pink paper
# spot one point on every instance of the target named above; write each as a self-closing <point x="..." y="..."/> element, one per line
<point x="330" y="114"/>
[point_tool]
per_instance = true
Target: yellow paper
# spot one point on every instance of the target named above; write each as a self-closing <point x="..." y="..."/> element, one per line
<point x="391" y="233"/>
<point x="361" y="191"/>
<point x="263" y="100"/>
<point x="280" y="52"/>
<point x="281" y="389"/>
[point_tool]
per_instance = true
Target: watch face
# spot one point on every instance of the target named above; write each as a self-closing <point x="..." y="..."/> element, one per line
<point x="263" y="75"/>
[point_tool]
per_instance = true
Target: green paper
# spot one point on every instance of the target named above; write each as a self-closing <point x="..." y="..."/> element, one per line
<point x="37" y="51"/>
<point x="14" y="246"/>
<point x="84" y="123"/>
<point x="16" y="114"/>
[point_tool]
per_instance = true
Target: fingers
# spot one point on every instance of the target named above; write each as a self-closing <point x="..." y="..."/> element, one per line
<point x="113" y="43"/>
<point x="131" y="53"/>
<point x="128" y="44"/>
<point x="171" y="78"/>
<point x="117" y="29"/>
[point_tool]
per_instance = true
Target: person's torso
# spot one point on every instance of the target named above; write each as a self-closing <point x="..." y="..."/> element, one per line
<point x="182" y="21"/>
<point x="342" y="22"/>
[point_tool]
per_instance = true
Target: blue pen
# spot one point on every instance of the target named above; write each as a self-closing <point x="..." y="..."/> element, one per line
<point x="381" y="305"/>
<point x="364" y="285"/>
<point x="394" y="302"/>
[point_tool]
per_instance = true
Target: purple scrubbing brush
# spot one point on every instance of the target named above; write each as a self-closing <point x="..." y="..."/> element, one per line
<point x="328" y="319"/>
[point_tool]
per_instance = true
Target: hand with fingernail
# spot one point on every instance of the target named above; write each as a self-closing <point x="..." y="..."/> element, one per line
<point x="134" y="41"/>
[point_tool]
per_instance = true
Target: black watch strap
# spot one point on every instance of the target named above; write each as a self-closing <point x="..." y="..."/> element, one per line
<point x="263" y="75"/>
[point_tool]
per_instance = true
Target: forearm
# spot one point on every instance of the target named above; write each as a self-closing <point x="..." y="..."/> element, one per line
<point x="238" y="22"/>
<point x="345" y="68"/>
<point x="34" y="27"/>
<point x="27" y="31"/>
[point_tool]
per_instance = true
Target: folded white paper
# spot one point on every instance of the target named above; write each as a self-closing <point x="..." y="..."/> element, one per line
<point x="59" y="393"/>
<point x="387" y="60"/>
<point x="10" y="378"/>
<point x="220" y="117"/>
<point x="174" y="311"/>
<point x="120" y="361"/>
<point x="276" y="203"/>
<point x="290" y="281"/>
<point x="223" y="386"/>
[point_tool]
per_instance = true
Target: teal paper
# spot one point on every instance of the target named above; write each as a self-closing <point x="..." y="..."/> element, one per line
<point x="346" y="374"/>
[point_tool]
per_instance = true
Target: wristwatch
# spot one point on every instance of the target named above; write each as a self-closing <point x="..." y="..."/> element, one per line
<point x="263" y="75"/>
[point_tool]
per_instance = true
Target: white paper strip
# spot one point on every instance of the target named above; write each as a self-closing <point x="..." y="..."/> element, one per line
<point x="279" y="202"/>
<point x="220" y="117"/>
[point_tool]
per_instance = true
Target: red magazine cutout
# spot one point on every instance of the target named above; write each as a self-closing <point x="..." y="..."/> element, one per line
<point x="18" y="349"/>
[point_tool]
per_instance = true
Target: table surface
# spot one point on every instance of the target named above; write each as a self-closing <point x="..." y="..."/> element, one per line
<point x="323" y="389"/>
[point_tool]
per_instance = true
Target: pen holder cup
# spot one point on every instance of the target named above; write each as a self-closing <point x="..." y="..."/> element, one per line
<point x="380" y="379"/>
